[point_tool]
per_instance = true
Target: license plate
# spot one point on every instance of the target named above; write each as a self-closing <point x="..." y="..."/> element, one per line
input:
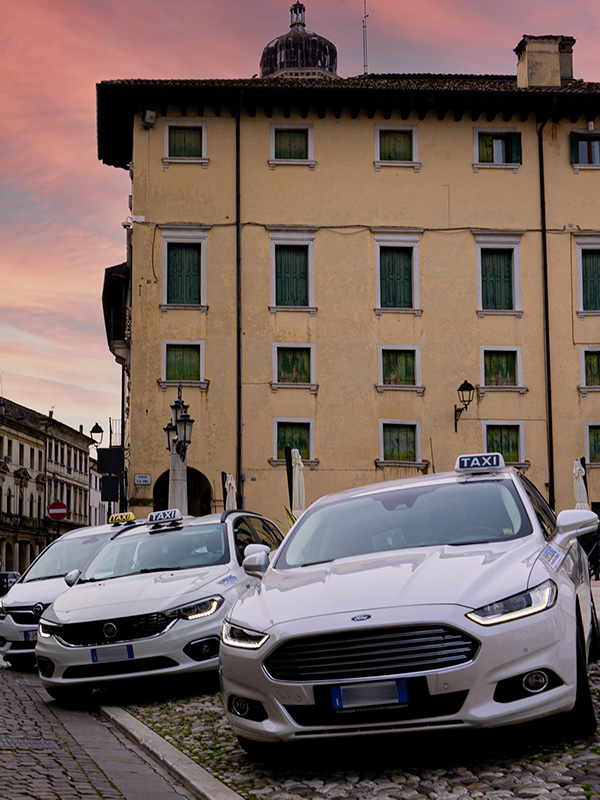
<point x="30" y="636"/>
<point x="100" y="655"/>
<point x="364" y="695"/>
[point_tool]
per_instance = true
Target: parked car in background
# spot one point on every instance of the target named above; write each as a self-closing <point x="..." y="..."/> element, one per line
<point x="151" y="601"/>
<point x="447" y="601"/>
<point x="7" y="579"/>
<point x="42" y="582"/>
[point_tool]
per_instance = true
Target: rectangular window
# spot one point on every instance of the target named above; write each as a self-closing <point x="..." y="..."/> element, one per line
<point x="293" y="365"/>
<point x="590" y="279"/>
<point x="9" y="448"/>
<point x="399" y="442"/>
<point x="183" y="268"/>
<point x="295" y="434"/>
<point x="398" y="367"/>
<point x="592" y="367"/>
<point x="504" y="439"/>
<point x="502" y="147"/>
<point x="22" y="455"/>
<point x="291" y="275"/>
<point x="31" y="458"/>
<point x="185" y="142"/>
<point x="183" y="362"/>
<point x="496" y="279"/>
<point x="291" y="143"/>
<point x="395" y="275"/>
<point x="585" y="148"/>
<point x="500" y="367"/>
<point x="594" y="443"/>
<point x="395" y="145"/>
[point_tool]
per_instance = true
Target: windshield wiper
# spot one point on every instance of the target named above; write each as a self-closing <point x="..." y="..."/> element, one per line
<point x="470" y="541"/>
<point x="313" y="563"/>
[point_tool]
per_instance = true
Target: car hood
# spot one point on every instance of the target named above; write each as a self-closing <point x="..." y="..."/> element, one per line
<point x="467" y="576"/>
<point x="136" y="594"/>
<point x="44" y="591"/>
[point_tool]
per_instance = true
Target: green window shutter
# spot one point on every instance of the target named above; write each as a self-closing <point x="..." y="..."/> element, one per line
<point x="185" y="142"/>
<point x="398" y="367"/>
<point x="500" y="368"/>
<point x="294" y="434"/>
<point x="513" y="142"/>
<point x="594" y="443"/>
<point x="183" y="362"/>
<point x="486" y="148"/>
<point x="183" y="274"/>
<point x="399" y="442"/>
<point x="590" y="267"/>
<point x="291" y="143"/>
<point x="291" y="275"/>
<point x="504" y="439"/>
<point x="574" y="148"/>
<point x="395" y="275"/>
<point x="293" y="365"/>
<point x="592" y="368"/>
<point x="496" y="279"/>
<point x="395" y="145"/>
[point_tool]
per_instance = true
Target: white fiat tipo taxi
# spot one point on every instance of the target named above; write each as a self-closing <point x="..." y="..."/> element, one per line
<point x="447" y="601"/>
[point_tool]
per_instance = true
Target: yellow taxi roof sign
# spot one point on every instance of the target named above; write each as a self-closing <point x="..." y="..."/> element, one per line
<point x="124" y="516"/>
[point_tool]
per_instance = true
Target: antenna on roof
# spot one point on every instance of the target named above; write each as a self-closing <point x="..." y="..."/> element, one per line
<point x="364" y="28"/>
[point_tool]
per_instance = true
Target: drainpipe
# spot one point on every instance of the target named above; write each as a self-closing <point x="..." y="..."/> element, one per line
<point x="544" y="231"/>
<point x="238" y="248"/>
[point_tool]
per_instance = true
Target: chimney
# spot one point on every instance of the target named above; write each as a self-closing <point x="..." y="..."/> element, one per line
<point x="544" y="61"/>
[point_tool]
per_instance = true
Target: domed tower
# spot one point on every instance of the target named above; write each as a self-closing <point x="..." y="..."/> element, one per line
<point x="299" y="53"/>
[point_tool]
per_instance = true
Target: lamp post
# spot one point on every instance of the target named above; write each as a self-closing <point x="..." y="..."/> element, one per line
<point x="178" y="435"/>
<point x="465" y="395"/>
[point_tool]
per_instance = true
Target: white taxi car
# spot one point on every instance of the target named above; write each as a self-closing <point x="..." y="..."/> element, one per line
<point x="42" y="582"/>
<point x="151" y="601"/>
<point x="454" y="600"/>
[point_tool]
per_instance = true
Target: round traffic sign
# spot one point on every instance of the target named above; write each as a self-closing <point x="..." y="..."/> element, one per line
<point x="57" y="511"/>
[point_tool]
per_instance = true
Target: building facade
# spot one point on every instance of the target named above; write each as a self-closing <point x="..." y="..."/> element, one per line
<point x="322" y="261"/>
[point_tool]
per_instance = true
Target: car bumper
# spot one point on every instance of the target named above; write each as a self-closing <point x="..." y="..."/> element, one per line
<point x="486" y="692"/>
<point x="186" y="646"/>
<point x="17" y="640"/>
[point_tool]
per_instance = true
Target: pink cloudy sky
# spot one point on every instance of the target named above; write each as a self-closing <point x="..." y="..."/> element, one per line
<point x="61" y="209"/>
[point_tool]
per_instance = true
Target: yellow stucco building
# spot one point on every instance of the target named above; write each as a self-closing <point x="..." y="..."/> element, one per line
<point x="322" y="261"/>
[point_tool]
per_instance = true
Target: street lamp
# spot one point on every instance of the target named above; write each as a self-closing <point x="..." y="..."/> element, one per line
<point x="465" y="396"/>
<point x="178" y="435"/>
<point x="97" y="433"/>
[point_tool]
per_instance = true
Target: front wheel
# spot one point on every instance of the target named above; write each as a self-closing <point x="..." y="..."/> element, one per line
<point x="580" y="721"/>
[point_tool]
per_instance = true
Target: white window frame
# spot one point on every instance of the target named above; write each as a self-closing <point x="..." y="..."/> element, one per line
<point x="477" y="164"/>
<point x="184" y="123"/>
<point x="202" y="384"/>
<point x="584" y="242"/>
<point x="514" y="423"/>
<point x="184" y="235"/>
<point x="583" y="387"/>
<point x="588" y="133"/>
<point x="500" y="241"/>
<point x="418" y="463"/>
<point x="312" y="462"/>
<point x="302" y="162"/>
<point x="417" y="387"/>
<point x="312" y="384"/>
<point x="410" y="239"/>
<point x="592" y="423"/>
<point x="305" y="237"/>
<point x="519" y="387"/>
<point x="414" y="163"/>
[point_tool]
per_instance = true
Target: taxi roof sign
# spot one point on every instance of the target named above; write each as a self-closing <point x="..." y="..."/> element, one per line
<point x="124" y="516"/>
<point x="480" y="462"/>
<point x="168" y="515"/>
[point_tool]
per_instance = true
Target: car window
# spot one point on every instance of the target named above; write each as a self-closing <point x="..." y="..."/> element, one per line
<point x="452" y="513"/>
<point x="265" y="534"/>
<point x="243" y="535"/>
<point x="66" y="554"/>
<point x="543" y="512"/>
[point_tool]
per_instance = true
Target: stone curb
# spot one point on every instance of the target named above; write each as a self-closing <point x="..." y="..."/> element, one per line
<point x="192" y="776"/>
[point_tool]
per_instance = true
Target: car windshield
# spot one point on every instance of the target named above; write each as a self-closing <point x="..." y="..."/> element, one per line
<point x="156" y="550"/>
<point x="450" y="513"/>
<point x="63" y="555"/>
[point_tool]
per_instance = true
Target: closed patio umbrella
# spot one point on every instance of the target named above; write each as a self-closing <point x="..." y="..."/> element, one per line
<point x="299" y="500"/>
<point x="581" y="497"/>
<point x="230" y="492"/>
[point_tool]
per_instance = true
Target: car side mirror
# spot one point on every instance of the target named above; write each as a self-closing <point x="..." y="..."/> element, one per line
<point x="71" y="577"/>
<point x="250" y="549"/>
<point x="255" y="565"/>
<point x="574" y="522"/>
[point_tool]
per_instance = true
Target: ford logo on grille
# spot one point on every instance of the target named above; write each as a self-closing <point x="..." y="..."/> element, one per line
<point x="360" y="617"/>
<point x="110" y="630"/>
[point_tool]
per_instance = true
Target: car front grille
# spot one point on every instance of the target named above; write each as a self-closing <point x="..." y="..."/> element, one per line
<point x="371" y="653"/>
<point x="25" y="615"/>
<point x="110" y="631"/>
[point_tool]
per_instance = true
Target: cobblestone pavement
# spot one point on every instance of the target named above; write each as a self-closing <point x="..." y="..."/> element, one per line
<point x="527" y="761"/>
<point x="51" y="753"/>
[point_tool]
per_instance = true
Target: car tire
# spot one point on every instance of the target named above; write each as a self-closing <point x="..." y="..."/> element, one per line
<point x="260" y="751"/>
<point x="580" y="721"/>
<point x="594" y="654"/>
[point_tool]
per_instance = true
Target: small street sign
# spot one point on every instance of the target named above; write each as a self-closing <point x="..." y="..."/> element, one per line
<point x="57" y="511"/>
<point x="142" y="479"/>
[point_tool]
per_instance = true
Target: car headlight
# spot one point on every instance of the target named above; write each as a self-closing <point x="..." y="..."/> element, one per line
<point x="45" y="630"/>
<point x="2" y="611"/>
<point x="202" y="608"/>
<point x="235" y="636"/>
<point x="520" y="605"/>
